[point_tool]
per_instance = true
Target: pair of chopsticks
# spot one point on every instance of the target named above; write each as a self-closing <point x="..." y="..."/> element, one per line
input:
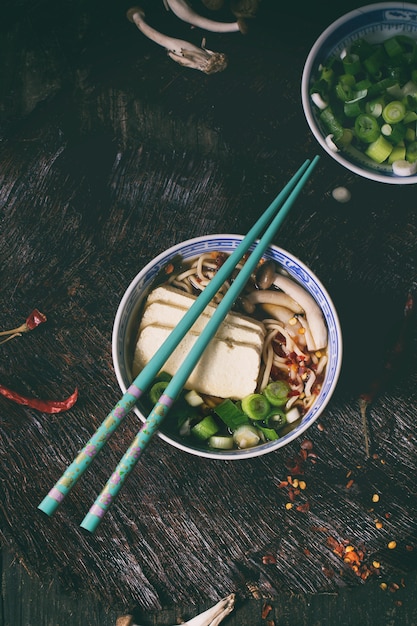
<point x="282" y="203"/>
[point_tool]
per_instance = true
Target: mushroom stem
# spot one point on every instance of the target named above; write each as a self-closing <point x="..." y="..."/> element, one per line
<point x="312" y="310"/>
<point x="277" y="298"/>
<point x="267" y="276"/>
<point x="183" y="52"/>
<point x="183" y="10"/>
<point x="215" y="615"/>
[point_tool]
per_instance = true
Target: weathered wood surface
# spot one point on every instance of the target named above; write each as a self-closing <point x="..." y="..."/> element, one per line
<point x="29" y="600"/>
<point x="110" y="153"/>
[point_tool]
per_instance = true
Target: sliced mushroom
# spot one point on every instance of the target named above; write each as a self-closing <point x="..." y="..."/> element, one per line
<point x="278" y="312"/>
<point x="183" y="10"/>
<point x="272" y="297"/>
<point x="183" y="52"/>
<point x="312" y="310"/>
<point x="125" y="620"/>
<point x="215" y="615"/>
<point x="267" y="276"/>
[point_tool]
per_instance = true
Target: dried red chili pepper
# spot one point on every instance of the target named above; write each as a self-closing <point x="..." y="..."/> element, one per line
<point x="34" y="319"/>
<point x="45" y="406"/>
<point x="392" y="363"/>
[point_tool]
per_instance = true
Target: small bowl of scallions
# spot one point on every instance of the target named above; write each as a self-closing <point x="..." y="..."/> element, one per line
<point x="359" y="91"/>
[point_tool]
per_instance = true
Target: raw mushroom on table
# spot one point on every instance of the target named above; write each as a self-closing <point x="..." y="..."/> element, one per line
<point x="210" y="617"/>
<point x="186" y="53"/>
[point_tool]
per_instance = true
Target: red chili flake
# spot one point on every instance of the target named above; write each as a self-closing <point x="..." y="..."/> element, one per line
<point x="352" y="557"/>
<point x="334" y="545"/>
<point x="319" y="529"/>
<point x="45" y="406"/>
<point x="266" y="609"/>
<point x="34" y="319"/>
<point x="169" y="268"/>
<point x="303" y="508"/>
<point x="220" y="258"/>
<point x="282" y="484"/>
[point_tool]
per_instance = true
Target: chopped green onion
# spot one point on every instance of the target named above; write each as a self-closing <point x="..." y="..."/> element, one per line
<point x="157" y="390"/>
<point x="404" y="168"/>
<point x="206" y="428"/>
<point x="269" y="433"/>
<point x="375" y="107"/>
<point x="221" y="442"/>
<point x="410" y="116"/>
<point x="351" y="64"/>
<point x="277" y="392"/>
<point x="394" y="112"/>
<point x="293" y="415"/>
<point x="256" y="406"/>
<point x="231" y="415"/>
<point x="246" y="437"/>
<point x="193" y="398"/>
<point x="366" y="128"/>
<point x="397" y="154"/>
<point x="410" y="135"/>
<point x="362" y="48"/>
<point x="318" y="101"/>
<point x="332" y="123"/>
<point x="393" y="47"/>
<point x="411" y="152"/>
<point x="381" y="86"/>
<point x="277" y="418"/>
<point x="344" y="92"/>
<point x="374" y="62"/>
<point x="352" y="108"/>
<point x="379" y="150"/>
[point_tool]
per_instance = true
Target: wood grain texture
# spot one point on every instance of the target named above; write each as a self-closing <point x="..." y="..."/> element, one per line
<point x="128" y="155"/>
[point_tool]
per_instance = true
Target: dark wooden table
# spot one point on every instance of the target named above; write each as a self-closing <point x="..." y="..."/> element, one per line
<point x="110" y="152"/>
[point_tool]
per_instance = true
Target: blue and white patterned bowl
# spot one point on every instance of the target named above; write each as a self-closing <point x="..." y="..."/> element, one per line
<point x="374" y="22"/>
<point x="127" y="318"/>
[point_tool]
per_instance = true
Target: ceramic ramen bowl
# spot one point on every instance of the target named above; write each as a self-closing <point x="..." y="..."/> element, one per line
<point x="375" y="23"/>
<point x="128" y="316"/>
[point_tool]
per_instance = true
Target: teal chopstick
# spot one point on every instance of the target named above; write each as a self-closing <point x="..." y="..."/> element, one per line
<point x="113" y="420"/>
<point x="176" y="384"/>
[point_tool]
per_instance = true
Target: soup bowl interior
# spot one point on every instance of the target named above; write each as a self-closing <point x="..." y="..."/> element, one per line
<point x="127" y="322"/>
<point x="375" y="23"/>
